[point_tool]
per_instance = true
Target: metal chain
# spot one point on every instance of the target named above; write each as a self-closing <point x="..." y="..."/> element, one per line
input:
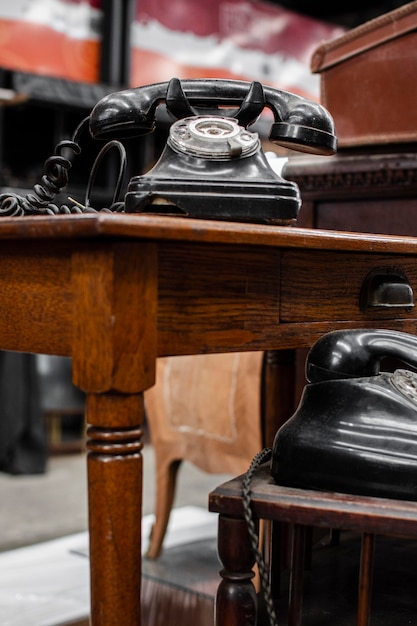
<point x="260" y="458"/>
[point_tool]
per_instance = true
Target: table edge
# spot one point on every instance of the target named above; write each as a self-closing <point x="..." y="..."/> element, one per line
<point x="155" y="227"/>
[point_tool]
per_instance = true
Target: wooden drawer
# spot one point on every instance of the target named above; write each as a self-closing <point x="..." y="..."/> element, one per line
<point x="318" y="286"/>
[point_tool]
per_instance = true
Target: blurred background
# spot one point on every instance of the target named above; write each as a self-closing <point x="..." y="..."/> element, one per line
<point x="57" y="59"/>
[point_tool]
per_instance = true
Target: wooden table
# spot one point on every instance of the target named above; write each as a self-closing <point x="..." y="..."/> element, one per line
<point x="116" y="291"/>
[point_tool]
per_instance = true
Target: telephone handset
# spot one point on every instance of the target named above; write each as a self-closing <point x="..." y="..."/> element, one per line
<point x="355" y="429"/>
<point x="298" y="122"/>
<point x="212" y="167"/>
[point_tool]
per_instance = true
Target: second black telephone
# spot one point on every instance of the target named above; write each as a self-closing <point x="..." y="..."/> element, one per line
<point x="212" y="167"/>
<point x="355" y="429"/>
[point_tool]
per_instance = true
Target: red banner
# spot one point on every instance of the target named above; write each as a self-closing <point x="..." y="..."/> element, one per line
<point x="59" y="38"/>
<point x="241" y="39"/>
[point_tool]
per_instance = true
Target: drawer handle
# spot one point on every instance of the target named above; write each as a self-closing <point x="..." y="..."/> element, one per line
<point x="386" y="288"/>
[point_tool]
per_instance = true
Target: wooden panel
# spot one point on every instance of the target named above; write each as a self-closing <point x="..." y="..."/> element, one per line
<point x="217" y="297"/>
<point x="115" y="295"/>
<point x="316" y="508"/>
<point x="326" y="286"/>
<point x="36" y="297"/>
<point x="392" y="216"/>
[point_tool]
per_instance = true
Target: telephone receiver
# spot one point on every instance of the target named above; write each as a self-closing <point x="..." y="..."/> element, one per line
<point x="213" y="167"/>
<point x="355" y="429"/>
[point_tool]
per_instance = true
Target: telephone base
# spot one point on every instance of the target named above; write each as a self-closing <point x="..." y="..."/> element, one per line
<point x="352" y="436"/>
<point x="260" y="203"/>
<point x="242" y="189"/>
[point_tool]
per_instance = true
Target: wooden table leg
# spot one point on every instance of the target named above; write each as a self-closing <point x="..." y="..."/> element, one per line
<point x="115" y="508"/>
<point x="365" y="579"/>
<point x="295" y="607"/>
<point x="114" y="355"/>
<point x="277" y="391"/>
<point x="236" y="602"/>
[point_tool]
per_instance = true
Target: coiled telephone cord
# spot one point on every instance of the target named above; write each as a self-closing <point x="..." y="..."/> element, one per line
<point x="55" y="179"/>
<point x="261" y="457"/>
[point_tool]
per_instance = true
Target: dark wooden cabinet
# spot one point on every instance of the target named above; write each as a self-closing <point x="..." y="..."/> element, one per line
<point x="362" y="192"/>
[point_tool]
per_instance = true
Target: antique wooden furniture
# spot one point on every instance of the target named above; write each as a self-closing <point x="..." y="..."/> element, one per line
<point x="364" y="191"/>
<point x="116" y="291"/>
<point x="236" y="601"/>
<point x="365" y="76"/>
<point x="204" y="409"/>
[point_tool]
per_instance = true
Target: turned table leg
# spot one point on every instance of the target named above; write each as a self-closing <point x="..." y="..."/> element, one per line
<point x="115" y="508"/>
<point x="115" y="287"/>
<point x="236" y="603"/>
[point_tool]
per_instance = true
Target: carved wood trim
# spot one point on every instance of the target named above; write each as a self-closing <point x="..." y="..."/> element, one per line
<point x="347" y="175"/>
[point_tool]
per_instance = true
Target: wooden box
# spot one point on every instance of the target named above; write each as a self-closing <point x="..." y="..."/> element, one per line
<point x="368" y="80"/>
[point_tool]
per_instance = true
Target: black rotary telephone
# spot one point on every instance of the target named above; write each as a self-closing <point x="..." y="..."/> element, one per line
<point x="355" y="429"/>
<point x="212" y="167"/>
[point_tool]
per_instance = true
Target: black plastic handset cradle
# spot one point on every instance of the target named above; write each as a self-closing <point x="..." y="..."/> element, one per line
<point x="355" y="429"/>
<point x="212" y="167"/>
